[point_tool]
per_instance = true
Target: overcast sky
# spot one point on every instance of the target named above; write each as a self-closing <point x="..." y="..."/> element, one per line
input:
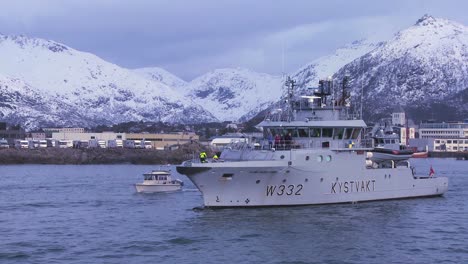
<point x="192" y="37"/>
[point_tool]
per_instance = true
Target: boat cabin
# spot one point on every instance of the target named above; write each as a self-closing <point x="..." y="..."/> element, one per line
<point x="157" y="176"/>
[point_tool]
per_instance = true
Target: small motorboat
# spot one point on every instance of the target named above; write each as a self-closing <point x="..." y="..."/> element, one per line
<point x="387" y="144"/>
<point x="158" y="181"/>
<point x="382" y="154"/>
<point x="420" y="155"/>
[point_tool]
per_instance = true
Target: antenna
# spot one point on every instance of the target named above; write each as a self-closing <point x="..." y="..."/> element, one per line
<point x="362" y="87"/>
<point x="362" y="95"/>
<point x="282" y="58"/>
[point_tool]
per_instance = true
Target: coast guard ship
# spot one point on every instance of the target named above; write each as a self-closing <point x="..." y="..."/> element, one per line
<point x="312" y="153"/>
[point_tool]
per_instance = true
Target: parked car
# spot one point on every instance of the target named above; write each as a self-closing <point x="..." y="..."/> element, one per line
<point x="4" y="143"/>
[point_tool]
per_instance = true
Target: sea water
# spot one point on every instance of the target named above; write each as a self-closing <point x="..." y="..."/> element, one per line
<point x="92" y="214"/>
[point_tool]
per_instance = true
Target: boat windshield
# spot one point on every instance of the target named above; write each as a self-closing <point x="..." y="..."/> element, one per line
<point x="149" y="177"/>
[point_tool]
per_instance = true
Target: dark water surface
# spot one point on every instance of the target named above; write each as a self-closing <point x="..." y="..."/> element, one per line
<point x="91" y="214"/>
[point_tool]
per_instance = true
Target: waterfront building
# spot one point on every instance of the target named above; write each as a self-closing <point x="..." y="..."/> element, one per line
<point x="162" y="141"/>
<point x="451" y="136"/>
<point x="87" y="136"/>
<point x="10" y="134"/>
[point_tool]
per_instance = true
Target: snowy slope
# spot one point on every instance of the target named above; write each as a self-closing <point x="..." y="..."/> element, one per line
<point x="162" y="76"/>
<point x="235" y="94"/>
<point x="423" y="68"/>
<point x="99" y="90"/>
<point x="22" y="104"/>
<point x="321" y="68"/>
<point x="240" y="94"/>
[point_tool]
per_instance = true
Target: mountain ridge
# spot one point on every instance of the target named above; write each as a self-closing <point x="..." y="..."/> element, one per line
<point x="99" y="91"/>
<point x="422" y="68"/>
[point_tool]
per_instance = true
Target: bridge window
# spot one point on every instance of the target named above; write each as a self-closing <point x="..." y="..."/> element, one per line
<point x="303" y="132"/>
<point x="315" y="132"/>
<point x="348" y="133"/>
<point x="327" y="132"/>
<point x="356" y="133"/>
<point x="338" y="133"/>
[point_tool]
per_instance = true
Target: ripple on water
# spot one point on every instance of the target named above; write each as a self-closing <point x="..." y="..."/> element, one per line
<point x="14" y="256"/>
<point x="182" y="241"/>
<point x="144" y="246"/>
<point x="250" y="235"/>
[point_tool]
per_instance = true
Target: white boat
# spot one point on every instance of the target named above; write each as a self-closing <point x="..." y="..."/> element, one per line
<point x="325" y="162"/>
<point x="158" y="181"/>
<point x="387" y="144"/>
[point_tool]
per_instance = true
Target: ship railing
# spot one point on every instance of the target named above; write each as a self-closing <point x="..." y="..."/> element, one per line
<point x="239" y="146"/>
<point x="309" y="144"/>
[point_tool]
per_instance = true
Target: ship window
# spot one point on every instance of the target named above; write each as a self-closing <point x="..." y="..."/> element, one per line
<point x="338" y="133"/>
<point x="303" y="132"/>
<point x="356" y="132"/>
<point x="315" y="132"/>
<point x="293" y="132"/>
<point x="228" y="175"/>
<point x="327" y="132"/>
<point x="319" y="158"/>
<point x="307" y="158"/>
<point x="348" y="133"/>
<point x="328" y="158"/>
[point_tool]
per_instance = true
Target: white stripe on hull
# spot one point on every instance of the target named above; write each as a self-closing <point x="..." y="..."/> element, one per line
<point x="157" y="188"/>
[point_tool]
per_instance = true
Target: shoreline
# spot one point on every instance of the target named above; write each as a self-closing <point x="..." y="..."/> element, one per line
<point x="72" y="156"/>
<point x="94" y="156"/>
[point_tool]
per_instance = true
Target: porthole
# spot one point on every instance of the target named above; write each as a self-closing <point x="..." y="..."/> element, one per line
<point x="319" y="158"/>
<point x="328" y="158"/>
<point x="307" y="157"/>
<point x="257" y="182"/>
<point x="282" y="157"/>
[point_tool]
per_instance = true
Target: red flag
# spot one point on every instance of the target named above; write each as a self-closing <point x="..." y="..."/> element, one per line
<point x="431" y="172"/>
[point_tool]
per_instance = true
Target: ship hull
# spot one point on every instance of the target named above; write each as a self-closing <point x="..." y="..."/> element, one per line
<point x="306" y="177"/>
<point x="145" y="188"/>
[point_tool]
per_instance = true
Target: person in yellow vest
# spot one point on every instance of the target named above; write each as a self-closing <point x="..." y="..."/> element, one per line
<point x="215" y="158"/>
<point x="202" y="157"/>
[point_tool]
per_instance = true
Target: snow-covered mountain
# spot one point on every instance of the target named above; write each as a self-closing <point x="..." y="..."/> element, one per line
<point x="235" y="94"/>
<point x="424" y="69"/>
<point x="240" y="94"/>
<point x="163" y="76"/>
<point x="321" y="68"/>
<point x="98" y="91"/>
<point x="19" y="101"/>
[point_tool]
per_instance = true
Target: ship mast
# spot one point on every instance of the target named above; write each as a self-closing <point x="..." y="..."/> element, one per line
<point x="290" y="83"/>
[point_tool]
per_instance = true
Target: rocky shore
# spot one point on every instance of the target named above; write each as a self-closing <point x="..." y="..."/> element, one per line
<point x="99" y="156"/>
